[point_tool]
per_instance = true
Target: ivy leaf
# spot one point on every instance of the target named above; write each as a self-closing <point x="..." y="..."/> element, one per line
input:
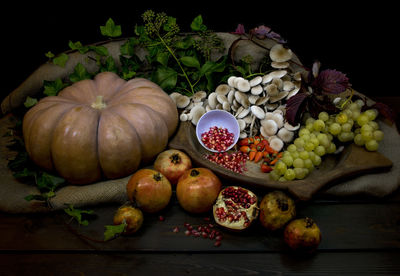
<point x="110" y="29"/>
<point x="51" y="88"/>
<point x="331" y="82"/>
<point x="61" y="60"/>
<point x="48" y="182"/>
<point x="100" y="50"/>
<point x="80" y="73"/>
<point x="190" y="62"/>
<point x="109" y="65"/>
<point x="294" y="107"/>
<point x="78" y="46"/>
<point x="166" y="77"/>
<point x="29" y="102"/>
<point x="49" y="54"/>
<point x="78" y="214"/>
<point x="197" y="24"/>
<point x="113" y="231"/>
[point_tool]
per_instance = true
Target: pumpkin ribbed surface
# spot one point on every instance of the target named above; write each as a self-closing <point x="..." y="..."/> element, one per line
<point x="97" y="128"/>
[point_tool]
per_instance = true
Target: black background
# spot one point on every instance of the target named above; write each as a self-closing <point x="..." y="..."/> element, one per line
<point x="358" y="40"/>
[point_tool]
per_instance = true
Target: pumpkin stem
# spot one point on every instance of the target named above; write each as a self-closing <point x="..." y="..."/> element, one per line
<point x="99" y="103"/>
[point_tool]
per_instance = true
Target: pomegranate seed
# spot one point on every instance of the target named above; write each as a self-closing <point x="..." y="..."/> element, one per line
<point x="217" y="243"/>
<point x="187" y="233"/>
<point x="161" y="218"/>
<point x="176" y="229"/>
<point x="218" y="238"/>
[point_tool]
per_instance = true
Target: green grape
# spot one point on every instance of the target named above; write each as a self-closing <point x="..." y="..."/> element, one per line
<point x="320" y="150"/>
<point x="304" y="155"/>
<point x="335" y="128"/>
<point x="346" y="127"/>
<point x="316" y="160"/>
<point x="274" y="175"/>
<point x="378" y="135"/>
<point x="309" y="146"/>
<point x="299" y="142"/>
<point x="367" y="135"/>
<point x="308" y="164"/>
<point x="348" y="112"/>
<point x="318" y="125"/>
<point x="282" y="179"/>
<point x="366" y="127"/>
<point x="304" y="131"/>
<point x="324" y="116"/>
<point x="289" y="174"/>
<point x="298" y="163"/>
<point x="374" y="125"/>
<point x="345" y="136"/>
<point x="280" y="167"/>
<point x="288" y="160"/>
<point x="362" y="119"/>
<point x="354" y="107"/>
<point x="306" y="137"/>
<point x="371" y="114"/>
<point x="331" y="148"/>
<point x="355" y="115"/>
<point x="315" y="141"/>
<point x="358" y="140"/>
<point x="341" y="118"/>
<point x="300" y="173"/>
<point x="294" y="154"/>
<point x="292" y="148"/>
<point x="371" y="145"/>
<point x="323" y="140"/>
<point x="310" y="127"/>
<point x="360" y="103"/>
<point x="310" y="120"/>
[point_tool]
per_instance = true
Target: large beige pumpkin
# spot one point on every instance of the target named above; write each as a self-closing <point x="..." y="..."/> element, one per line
<point x="100" y="128"/>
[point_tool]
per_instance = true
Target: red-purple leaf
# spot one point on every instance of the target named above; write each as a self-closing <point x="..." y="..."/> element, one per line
<point x="262" y="32"/>
<point x="239" y="30"/>
<point x="331" y="81"/>
<point x="294" y="107"/>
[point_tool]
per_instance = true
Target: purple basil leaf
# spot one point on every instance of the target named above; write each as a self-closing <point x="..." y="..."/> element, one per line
<point x="294" y="107"/>
<point x="331" y="81"/>
<point x="263" y="31"/>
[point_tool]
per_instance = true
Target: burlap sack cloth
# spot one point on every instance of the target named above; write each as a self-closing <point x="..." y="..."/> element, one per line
<point x="13" y="192"/>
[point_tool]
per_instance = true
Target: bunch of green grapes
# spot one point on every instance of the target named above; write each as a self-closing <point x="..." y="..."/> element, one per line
<point x="317" y="137"/>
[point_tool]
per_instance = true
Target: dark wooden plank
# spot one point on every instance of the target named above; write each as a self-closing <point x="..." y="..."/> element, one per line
<point x="345" y="226"/>
<point x="326" y="263"/>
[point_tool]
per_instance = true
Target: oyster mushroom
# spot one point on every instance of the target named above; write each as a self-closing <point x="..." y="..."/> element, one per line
<point x="199" y="96"/>
<point x="262" y="100"/>
<point x="196" y="113"/>
<point x="255" y="81"/>
<point x="226" y="106"/>
<point x="183" y="117"/>
<point x="182" y="101"/>
<point x="285" y="135"/>
<point x="222" y="98"/>
<point x="257" y="111"/>
<point x="276" y="143"/>
<point x="288" y="85"/>
<point x="278" y="119"/>
<point x="243" y="85"/>
<point x="253" y="99"/>
<point x="278" y="53"/>
<point x="212" y="100"/>
<point x="222" y="89"/>
<point x="270" y="127"/>
<point x="280" y="65"/>
<point x="231" y="81"/>
<point x="277" y="74"/>
<point x="243" y="113"/>
<point x="174" y="96"/>
<point x="256" y="90"/>
<point x="242" y="124"/>
<point x="231" y="96"/>
<point x="290" y="127"/>
<point x="272" y="90"/>
<point x="277" y="98"/>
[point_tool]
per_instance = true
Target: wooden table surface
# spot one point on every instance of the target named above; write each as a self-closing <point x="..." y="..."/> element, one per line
<point x="360" y="235"/>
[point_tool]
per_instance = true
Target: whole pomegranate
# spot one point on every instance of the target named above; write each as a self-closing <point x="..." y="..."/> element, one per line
<point x="197" y="190"/>
<point x="133" y="217"/>
<point x="302" y="234"/>
<point x="172" y="163"/>
<point x="150" y="190"/>
<point x="235" y="208"/>
<point x="276" y="209"/>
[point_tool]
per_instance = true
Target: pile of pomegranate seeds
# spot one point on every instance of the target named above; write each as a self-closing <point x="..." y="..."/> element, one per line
<point x="235" y="161"/>
<point x="217" y="138"/>
<point x="239" y="196"/>
<point x="206" y="231"/>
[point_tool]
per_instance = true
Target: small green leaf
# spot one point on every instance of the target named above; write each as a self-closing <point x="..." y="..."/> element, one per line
<point x="29" y="102"/>
<point x="78" y="46"/>
<point x="77" y="214"/>
<point x="162" y="57"/>
<point x="197" y="24"/>
<point x="61" y="60"/>
<point x="48" y="182"/>
<point x="51" y="88"/>
<point x="49" y="55"/>
<point x="190" y="62"/>
<point x="80" y="73"/>
<point x="166" y="77"/>
<point x="110" y="29"/>
<point x="109" y="65"/>
<point x="100" y="50"/>
<point x="113" y="231"/>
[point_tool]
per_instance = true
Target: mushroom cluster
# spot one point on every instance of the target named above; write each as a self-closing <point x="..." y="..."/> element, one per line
<point x="258" y="104"/>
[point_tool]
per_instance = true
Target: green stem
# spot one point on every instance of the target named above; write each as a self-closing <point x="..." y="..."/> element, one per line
<point x="254" y="74"/>
<point x="177" y="60"/>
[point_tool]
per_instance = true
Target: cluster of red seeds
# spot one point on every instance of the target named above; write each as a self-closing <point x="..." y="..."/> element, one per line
<point x="239" y="196"/>
<point x="206" y="231"/>
<point x="217" y="138"/>
<point x="235" y="161"/>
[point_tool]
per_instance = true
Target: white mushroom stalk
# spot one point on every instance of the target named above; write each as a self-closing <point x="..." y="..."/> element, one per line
<point x="258" y="103"/>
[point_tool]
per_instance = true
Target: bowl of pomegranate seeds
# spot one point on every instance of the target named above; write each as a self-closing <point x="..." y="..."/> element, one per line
<point x="217" y="130"/>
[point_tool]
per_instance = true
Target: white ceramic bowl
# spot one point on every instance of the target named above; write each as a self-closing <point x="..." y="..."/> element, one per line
<point x="219" y="118"/>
